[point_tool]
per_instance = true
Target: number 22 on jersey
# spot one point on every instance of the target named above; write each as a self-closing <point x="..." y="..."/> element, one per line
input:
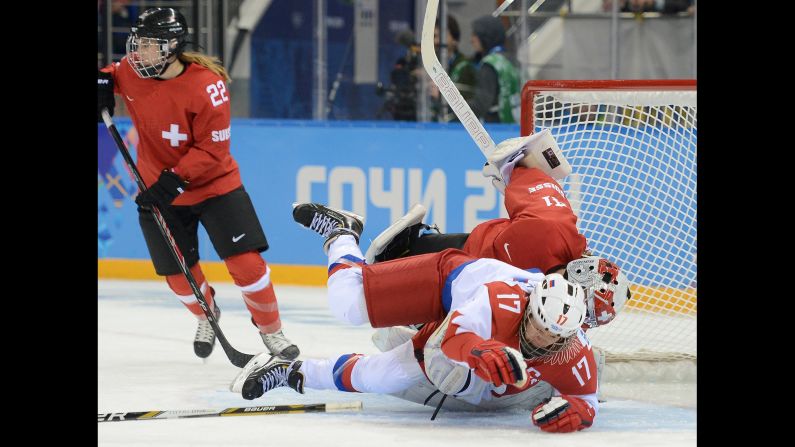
<point x="217" y="93"/>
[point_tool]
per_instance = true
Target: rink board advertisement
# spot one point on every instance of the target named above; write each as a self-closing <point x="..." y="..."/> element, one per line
<point x="375" y="169"/>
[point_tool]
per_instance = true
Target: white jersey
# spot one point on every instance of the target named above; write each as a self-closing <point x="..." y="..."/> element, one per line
<point x="466" y="282"/>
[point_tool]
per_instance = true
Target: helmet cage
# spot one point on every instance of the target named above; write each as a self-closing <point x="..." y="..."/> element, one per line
<point x="606" y="288"/>
<point x="149" y="56"/>
<point x="529" y="350"/>
<point x="547" y="302"/>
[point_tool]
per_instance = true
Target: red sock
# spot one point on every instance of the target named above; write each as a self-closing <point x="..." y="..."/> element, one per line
<point x="179" y="285"/>
<point x="253" y="276"/>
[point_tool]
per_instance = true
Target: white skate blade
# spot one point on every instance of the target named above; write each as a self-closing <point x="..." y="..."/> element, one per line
<point x="259" y="360"/>
<point x="414" y="216"/>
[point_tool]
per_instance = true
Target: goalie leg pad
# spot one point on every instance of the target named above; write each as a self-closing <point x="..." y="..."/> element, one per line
<point x="449" y="377"/>
<point x="394" y="241"/>
<point x="400" y="246"/>
<point x="452" y="378"/>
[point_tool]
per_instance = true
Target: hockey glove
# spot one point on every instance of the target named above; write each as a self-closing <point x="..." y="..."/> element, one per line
<point x="162" y="192"/>
<point x="563" y="414"/>
<point x="105" y="99"/>
<point x="497" y="363"/>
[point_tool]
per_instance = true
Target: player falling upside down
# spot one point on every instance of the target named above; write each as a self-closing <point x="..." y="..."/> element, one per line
<point x="540" y="232"/>
<point x="512" y="328"/>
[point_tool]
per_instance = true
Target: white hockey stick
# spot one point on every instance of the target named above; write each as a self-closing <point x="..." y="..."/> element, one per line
<point x="447" y="87"/>
<point x="546" y="154"/>
<point x="235" y="411"/>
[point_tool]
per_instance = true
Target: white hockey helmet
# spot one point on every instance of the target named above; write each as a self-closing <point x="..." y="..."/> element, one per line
<point x="557" y="306"/>
<point x="606" y="288"/>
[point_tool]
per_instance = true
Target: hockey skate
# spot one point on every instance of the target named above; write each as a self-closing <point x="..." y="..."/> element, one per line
<point x="204" y="342"/>
<point x="261" y="376"/>
<point x="280" y="346"/>
<point x="328" y="222"/>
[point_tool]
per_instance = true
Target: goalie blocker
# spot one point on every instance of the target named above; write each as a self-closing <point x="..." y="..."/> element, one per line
<point x="539" y="150"/>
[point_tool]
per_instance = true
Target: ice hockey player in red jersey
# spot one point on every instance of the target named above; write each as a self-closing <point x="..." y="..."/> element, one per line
<point x="500" y="331"/>
<point x="179" y="105"/>
<point x="540" y="231"/>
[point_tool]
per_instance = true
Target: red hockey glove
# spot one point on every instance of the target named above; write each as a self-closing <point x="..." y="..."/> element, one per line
<point x="497" y="363"/>
<point x="563" y="414"/>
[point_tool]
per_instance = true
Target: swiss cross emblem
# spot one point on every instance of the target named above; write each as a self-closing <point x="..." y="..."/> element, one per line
<point x="174" y="136"/>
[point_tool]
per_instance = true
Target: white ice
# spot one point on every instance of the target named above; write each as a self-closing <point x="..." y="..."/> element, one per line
<point x="146" y="362"/>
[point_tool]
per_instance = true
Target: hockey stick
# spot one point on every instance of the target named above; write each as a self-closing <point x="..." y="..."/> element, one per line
<point x="236" y="357"/>
<point x="502" y="8"/>
<point x="447" y="87"/>
<point x="235" y="411"/>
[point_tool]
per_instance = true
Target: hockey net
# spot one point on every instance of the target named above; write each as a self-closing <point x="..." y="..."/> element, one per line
<point x="632" y="147"/>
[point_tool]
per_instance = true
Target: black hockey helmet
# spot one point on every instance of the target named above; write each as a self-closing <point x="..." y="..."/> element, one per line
<point x="158" y="34"/>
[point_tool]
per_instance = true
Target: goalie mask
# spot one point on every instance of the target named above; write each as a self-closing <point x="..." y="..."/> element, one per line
<point x="606" y="288"/>
<point x="158" y="35"/>
<point x="555" y="311"/>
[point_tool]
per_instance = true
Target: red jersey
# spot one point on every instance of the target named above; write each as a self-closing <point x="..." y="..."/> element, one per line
<point x="182" y="123"/>
<point x="495" y="312"/>
<point x="541" y="231"/>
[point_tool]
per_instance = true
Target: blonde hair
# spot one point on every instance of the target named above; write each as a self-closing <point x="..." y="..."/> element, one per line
<point x="212" y="63"/>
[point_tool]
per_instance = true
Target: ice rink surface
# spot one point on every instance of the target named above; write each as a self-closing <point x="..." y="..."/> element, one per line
<point x="146" y="362"/>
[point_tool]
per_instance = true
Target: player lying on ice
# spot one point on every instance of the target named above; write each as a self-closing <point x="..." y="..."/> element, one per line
<point x="492" y="330"/>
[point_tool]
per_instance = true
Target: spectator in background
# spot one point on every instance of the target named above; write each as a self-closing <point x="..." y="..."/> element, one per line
<point x="460" y="68"/>
<point x="496" y="97"/>
<point x="122" y="17"/>
<point x="662" y="6"/>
